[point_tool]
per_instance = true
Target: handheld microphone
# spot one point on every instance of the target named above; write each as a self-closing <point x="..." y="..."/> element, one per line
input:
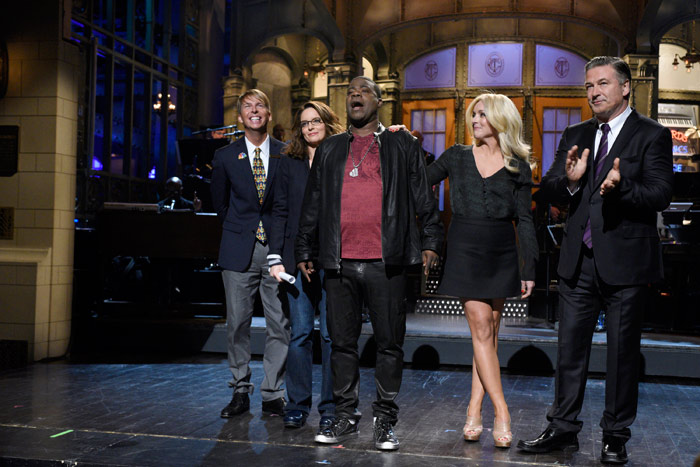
<point x="287" y="277"/>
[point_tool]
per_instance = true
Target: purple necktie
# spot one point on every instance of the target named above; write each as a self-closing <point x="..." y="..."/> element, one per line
<point x="597" y="166"/>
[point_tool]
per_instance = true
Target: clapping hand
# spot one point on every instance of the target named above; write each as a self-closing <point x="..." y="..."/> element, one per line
<point x="612" y="179"/>
<point x="575" y="166"/>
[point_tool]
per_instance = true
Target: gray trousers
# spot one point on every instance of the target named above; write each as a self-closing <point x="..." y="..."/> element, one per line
<point x="241" y="288"/>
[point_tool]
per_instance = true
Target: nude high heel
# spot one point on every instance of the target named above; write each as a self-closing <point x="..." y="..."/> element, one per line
<point x="472" y="428"/>
<point x="502" y="436"/>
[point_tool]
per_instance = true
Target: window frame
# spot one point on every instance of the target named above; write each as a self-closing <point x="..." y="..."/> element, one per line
<point x="540" y="103"/>
<point x="108" y="43"/>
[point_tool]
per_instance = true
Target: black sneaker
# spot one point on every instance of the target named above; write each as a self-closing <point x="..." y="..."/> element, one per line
<point x="384" y="437"/>
<point x="326" y="421"/>
<point x="340" y="429"/>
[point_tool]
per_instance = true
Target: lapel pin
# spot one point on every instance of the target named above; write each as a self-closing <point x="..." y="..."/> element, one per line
<point x="242" y="155"/>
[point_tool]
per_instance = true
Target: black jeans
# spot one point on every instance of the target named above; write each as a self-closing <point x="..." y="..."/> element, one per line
<point x="383" y="289"/>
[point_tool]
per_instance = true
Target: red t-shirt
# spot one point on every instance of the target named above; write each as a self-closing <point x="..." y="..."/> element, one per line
<point x="361" y="203"/>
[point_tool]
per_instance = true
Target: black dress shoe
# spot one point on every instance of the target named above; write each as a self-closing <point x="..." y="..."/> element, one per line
<point x="273" y="407"/>
<point x="239" y="404"/>
<point x="614" y="451"/>
<point x="550" y="440"/>
<point x="294" y="419"/>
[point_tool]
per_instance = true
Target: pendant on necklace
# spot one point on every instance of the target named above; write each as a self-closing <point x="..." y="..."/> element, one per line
<point x="354" y="172"/>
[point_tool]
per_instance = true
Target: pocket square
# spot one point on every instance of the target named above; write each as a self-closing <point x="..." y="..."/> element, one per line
<point x="242" y="155"/>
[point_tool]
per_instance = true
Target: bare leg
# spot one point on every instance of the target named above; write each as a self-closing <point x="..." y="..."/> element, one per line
<point x="477" y="396"/>
<point x="484" y="323"/>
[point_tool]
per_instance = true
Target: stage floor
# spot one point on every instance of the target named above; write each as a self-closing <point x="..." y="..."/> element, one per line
<point x="166" y="413"/>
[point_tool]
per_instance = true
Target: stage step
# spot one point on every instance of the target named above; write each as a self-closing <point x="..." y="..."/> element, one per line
<point x="525" y="345"/>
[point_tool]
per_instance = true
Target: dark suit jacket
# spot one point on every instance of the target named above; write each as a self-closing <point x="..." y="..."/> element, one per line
<point x="289" y="196"/>
<point x="235" y="200"/>
<point x="623" y="223"/>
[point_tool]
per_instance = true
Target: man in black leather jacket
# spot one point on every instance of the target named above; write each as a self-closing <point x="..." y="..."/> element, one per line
<point x="366" y="189"/>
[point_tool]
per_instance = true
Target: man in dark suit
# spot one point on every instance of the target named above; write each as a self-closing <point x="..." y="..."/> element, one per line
<point x="610" y="253"/>
<point x="242" y="189"/>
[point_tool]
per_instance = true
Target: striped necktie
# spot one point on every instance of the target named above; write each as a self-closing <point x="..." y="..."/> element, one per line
<point x="259" y="177"/>
<point x="597" y="167"/>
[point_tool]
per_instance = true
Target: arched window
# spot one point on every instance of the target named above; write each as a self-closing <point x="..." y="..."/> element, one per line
<point x="434" y="70"/>
<point x="558" y="67"/>
<point x="495" y="64"/>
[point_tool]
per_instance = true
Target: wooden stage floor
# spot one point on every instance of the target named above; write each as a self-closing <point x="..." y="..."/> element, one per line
<point x="165" y="412"/>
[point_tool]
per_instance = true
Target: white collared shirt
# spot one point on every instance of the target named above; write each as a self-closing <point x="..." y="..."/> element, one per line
<point x="615" y="127"/>
<point x="264" y="152"/>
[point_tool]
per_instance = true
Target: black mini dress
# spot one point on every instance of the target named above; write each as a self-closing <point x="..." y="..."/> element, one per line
<point x="491" y="242"/>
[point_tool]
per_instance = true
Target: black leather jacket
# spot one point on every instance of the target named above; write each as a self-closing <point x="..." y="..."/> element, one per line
<point x="406" y="194"/>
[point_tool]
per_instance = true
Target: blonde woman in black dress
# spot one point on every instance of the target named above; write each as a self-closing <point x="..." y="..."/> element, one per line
<point x="490" y="185"/>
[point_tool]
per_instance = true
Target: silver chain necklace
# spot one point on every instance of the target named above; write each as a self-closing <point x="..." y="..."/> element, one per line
<point x="354" y="172"/>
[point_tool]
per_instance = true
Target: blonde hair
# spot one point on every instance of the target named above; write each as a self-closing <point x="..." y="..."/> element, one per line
<point x="255" y="94"/>
<point x="503" y="117"/>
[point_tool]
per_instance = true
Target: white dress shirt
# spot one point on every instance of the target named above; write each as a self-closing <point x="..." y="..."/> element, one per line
<point x="615" y="127"/>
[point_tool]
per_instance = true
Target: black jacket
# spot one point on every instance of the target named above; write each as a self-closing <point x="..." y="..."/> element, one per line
<point x="289" y="195"/>
<point x="405" y="195"/>
<point x="623" y="223"/>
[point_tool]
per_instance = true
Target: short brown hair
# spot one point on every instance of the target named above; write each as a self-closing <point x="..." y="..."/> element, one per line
<point x="622" y="69"/>
<point x="255" y="94"/>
